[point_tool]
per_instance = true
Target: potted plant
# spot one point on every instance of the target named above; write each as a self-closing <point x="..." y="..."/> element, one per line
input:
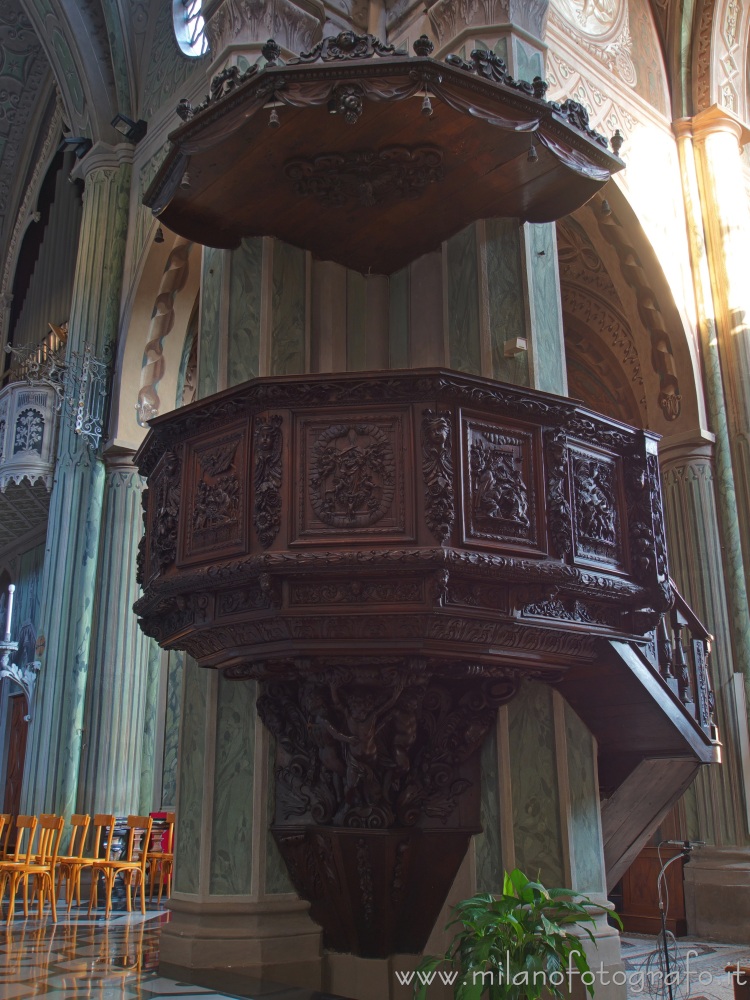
<point x="514" y="946"/>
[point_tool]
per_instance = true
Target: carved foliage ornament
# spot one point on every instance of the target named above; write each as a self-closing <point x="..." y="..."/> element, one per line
<point x="367" y="177"/>
<point x="267" y="475"/>
<point x="648" y="545"/>
<point x="352" y="478"/>
<point x="437" y="469"/>
<point x="559" y="520"/>
<point x="165" y="512"/>
<point x="346" y="45"/>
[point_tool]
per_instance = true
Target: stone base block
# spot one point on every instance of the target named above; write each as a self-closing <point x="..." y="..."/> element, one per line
<point x="717" y="894"/>
<point x="270" y="939"/>
<point x="389" y="979"/>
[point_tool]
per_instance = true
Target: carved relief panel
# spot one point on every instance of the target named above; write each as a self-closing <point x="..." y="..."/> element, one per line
<point x="351" y="477"/>
<point x="596" y="492"/>
<point x="500" y="490"/>
<point x="216" y="492"/>
<point x="162" y="516"/>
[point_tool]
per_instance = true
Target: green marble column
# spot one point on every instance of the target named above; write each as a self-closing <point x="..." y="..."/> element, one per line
<point x="697" y="564"/>
<point x="503" y="311"/>
<point x="117" y="759"/>
<point x="231" y="904"/>
<point x="71" y="555"/>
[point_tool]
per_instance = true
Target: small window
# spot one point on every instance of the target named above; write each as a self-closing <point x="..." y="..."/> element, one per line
<point x="189" y="27"/>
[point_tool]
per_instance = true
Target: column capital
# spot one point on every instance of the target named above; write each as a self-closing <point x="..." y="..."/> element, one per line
<point x="103" y="157"/>
<point x="687" y="447"/>
<point x="716" y="120"/>
<point x="119" y="455"/>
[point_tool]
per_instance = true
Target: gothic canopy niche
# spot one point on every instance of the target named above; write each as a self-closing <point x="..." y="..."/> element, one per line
<point x="358" y="153"/>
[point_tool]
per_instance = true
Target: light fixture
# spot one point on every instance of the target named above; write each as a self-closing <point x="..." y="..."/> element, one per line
<point x="604" y="208"/>
<point x="159" y="235"/>
<point x="133" y="131"/>
<point x="78" y="144"/>
<point x="273" y="119"/>
<point x="427" y="105"/>
<point x="185" y="182"/>
<point x="533" y="155"/>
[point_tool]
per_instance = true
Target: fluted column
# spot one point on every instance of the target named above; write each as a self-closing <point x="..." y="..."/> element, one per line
<point x="697" y="564"/>
<point x="71" y="556"/>
<point x="116" y="737"/>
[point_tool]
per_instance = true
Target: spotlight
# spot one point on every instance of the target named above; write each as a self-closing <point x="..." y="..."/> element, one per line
<point x="533" y="155"/>
<point x="159" y="235"/>
<point x="133" y="131"/>
<point x="427" y="106"/>
<point x="273" y="119"/>
<point x="78" y="144"/>
<point x="185" y="182"/>
<point x="604" y="208"/>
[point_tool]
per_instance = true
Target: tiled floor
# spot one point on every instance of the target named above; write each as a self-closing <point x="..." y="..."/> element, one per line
<point x="697" y="968"/>
<point x="118" y="960"/>
<point x="113" y="959"/>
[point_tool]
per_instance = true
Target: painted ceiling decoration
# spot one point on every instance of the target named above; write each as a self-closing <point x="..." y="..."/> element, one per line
<point x="23" y="71"/>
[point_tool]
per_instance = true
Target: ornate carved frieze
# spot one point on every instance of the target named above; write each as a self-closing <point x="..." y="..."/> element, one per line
<point x="346" y="45"/>
<point x="449" y="17"/>
<point x="367" y="177"/>
<point x="500" y="501"/>
<point x="267" y="474"/>
<point x="356" y="592"/>
<point x="295" y="25"/>
<point x="437" y="471"/>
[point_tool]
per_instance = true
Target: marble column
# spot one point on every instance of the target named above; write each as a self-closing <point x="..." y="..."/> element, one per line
<point x="718" y="373"/>
<point x="71" y="556"/>
<point x="118" y="750"/>
<point x="717" y="880"/>
<point x="696" y="560"/>
<point x="717" y="138"/>
<point x="232" y="904"/>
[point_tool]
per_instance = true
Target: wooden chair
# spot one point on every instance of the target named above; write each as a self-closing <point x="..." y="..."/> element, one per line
<point x="74" y="866"/>
<point x="6" y="824"/>
<point x="42" y="867"/>
<point x="9" y="869"/>
<point x="71" y="864"/>
<point x="131" y="869"/>
<point x="163" y="862"/>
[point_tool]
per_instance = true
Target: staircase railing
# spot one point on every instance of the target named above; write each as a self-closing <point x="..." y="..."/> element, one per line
<point x="680" y="650"/>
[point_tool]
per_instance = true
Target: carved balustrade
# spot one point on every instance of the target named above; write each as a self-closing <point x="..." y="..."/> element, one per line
<point x="680" y="649"/>
<point x="389" y="554"/>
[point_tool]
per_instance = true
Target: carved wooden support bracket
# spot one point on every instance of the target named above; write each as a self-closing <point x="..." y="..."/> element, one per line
<point x="377" y="787"/>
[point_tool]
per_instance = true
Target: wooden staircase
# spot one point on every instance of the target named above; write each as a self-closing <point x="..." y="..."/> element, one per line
<point x="650" y="707"/>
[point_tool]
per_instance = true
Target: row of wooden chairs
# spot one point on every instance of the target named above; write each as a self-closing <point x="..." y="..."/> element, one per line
<point x="46" y="868"/>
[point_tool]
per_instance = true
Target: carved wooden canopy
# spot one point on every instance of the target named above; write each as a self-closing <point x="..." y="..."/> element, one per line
<point x="370" y="157"/>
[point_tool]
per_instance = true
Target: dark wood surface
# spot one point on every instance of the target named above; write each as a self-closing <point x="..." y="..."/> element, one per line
<point x="389" y="554"/>
<point x="362" y="215"/>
